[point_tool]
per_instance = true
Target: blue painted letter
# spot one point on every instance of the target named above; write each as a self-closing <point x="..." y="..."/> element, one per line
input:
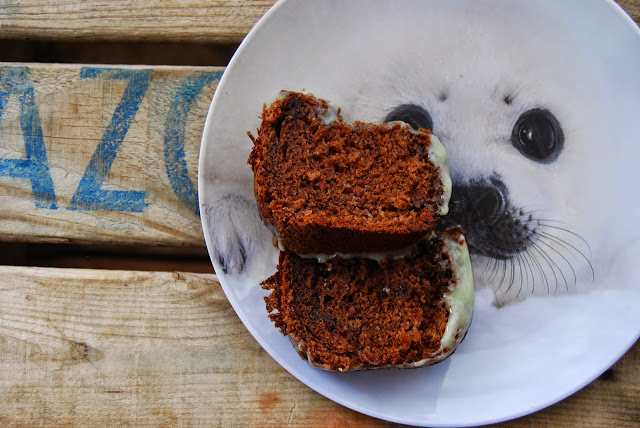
<point x="174" y="137"/>
<point x="16" y="81"/>
<point x="90" y="195"/>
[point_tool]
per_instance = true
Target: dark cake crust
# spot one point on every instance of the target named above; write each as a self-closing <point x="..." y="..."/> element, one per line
<point x="356" y="313"/>
<point x="339" y="187"/>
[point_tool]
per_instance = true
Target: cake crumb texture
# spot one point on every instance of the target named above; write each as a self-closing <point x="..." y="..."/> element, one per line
<point x="342" y="187"/>
<point x="356" y="313"/>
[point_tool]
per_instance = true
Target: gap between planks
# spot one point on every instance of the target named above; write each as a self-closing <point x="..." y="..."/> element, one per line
<point x="212" y="21"/>
<point x="199" y="21"/>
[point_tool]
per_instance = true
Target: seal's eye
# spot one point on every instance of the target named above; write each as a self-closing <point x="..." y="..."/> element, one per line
<point x="412" y="114"/>
<point x="538" y="136"/>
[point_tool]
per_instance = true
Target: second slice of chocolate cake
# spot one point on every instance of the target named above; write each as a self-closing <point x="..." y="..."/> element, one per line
<point x="357" y="313"/>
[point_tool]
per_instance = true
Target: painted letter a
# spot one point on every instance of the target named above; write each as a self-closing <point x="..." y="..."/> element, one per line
<point x="15" y="81"/>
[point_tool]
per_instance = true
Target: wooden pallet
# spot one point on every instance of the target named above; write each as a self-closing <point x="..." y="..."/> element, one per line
<point x="97" y="154"/>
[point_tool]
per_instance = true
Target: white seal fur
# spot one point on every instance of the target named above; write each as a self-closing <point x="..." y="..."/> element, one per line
<point x="462" y="65"/>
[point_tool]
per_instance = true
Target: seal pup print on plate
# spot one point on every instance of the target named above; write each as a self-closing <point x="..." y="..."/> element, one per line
<point x="537" y="110"/>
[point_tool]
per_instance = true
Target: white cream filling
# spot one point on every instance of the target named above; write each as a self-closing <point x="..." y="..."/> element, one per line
<point x="377" y="256"/>
<point x="330" y="115"/>
<point x="438" y="155"/>
<point x="458" y="301"/>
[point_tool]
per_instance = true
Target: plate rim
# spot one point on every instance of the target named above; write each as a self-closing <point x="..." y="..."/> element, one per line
<point x="628" y="21"/>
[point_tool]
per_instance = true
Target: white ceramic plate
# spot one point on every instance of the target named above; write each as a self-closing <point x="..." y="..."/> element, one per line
<point x="476" y="66"/>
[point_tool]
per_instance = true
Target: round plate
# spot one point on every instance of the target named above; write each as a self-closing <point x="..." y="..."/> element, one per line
<point x="548" y="320"/>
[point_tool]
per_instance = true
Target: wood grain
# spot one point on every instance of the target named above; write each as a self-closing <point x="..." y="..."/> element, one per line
<point x="69" y="115"/>
<point x="73" y="121"/>
<point x="193" y="21"/>
<point x="632" y="7"/>
<point x="96" y="348"/>
<point x="91" y="348"/>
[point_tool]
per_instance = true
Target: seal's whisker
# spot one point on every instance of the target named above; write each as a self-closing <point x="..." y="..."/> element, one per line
<point x="503" y="263"/>
<point x="564" y="243"/>
<point x="552" y="264"/>
<point x="527" y="271"/>
<point x="524" y="274"/>
<point x="552" y="248"/>
<point x="541" y="273"/>
<point x="525" y="248"/>
<point x="545" y="223"/>
<point x="526" y="210"/>
<point x="513" y="274"/>
<point x="529" y="263"/>
<point x="504" y="273"/>
<point x="518" y="259"/>
<point x="494" y="270"/>
<point x="486" y="265"/>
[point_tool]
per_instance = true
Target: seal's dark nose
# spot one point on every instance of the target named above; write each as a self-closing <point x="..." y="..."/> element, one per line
<point x="487" y="200"/>
<point x="479" y="202"/>
<point x="482" y="207"/>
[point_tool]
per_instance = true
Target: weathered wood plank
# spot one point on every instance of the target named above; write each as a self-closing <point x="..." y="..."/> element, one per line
<point x="102" y="154"/>
<point x="211" y="21"/>
<point x="157" y="148"/>
<point x="91" y="348"/>
<point x="632" y="7"/>
<point x="219" y="21"/>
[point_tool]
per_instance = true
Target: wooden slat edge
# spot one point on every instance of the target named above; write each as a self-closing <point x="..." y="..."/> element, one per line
<point x="96" y="154"/>
<point x="195" y="21"/>
<point x="153" y="348"/>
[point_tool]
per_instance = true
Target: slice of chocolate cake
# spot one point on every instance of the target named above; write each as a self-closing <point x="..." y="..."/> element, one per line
<point x="325" y="186"/>
<point x="360" y="313"/>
